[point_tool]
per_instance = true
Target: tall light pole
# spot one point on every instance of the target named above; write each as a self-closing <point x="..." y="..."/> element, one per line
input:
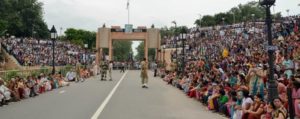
<point x="182" y="37"/>
<point x="85" y="54"/>
<point x="287" y="11"/>
<point x="272" y="87"/>
<point x="253" y="21"/>
<point x="53" y="36"/>
<point x="223" y="21"/>
<point x="233" y="17"/>
<point x="128" y="10"/>
<point x="164" y="48"/>
<point x="175" y="39"/>
<point x="200" y="19"/>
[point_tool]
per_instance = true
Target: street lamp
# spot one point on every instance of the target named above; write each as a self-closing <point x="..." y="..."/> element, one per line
<point x="223" y="20"/>
<point x="253" y="20"/>
<point x="175" y="33"/>
<point x="176" y="51"/>
<point x="85" y="54"/>
<point x="182" y="37"/>
<point x="288" y="12"/>
<point x="233" y="17"/>
<point x="272" y="87"/>
<point x="53" y="36"/>
<point x="164" y="46"/>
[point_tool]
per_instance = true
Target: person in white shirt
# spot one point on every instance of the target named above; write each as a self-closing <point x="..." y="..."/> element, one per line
<point x="95" y="69"/>
<point x="4" y="93"/>
<point x="110" y="68"/>
<point x="71" y="76"/>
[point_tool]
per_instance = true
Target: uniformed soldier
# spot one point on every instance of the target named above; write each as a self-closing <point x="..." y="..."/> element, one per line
<point x="104" y="67"/>
<point x="144" y="73"/>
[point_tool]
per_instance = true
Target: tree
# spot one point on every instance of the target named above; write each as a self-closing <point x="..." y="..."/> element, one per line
<point x="121" y="50"/>
<point x="207" y="20"/>
<point x="241" y="13"/>
<point x="80" y="37"/>
<point x="141" y="53"/>
<point x="23" y="18"/>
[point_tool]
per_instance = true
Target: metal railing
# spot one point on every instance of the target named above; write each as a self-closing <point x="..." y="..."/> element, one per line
<point x="9" y="74"/>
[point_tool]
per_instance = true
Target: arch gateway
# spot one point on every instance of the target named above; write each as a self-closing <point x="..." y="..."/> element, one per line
<point x="106" y="36"/>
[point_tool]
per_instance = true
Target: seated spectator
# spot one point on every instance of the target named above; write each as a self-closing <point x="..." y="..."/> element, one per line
<point x="71" y="75"/>
<point x="296" y="98"/>
<point x="12" y="86"/>
<point x="222" y="100"/>
<point x="256" y="109"/>
<point x="4" y="93"/>
<point x="247" y="101"/>
<point x="21" y="87"/>
<point x="61" y="80"/>
<point x="280" y="112"/>
<point x="269" y="108"/>
<point x="31" y="85"/>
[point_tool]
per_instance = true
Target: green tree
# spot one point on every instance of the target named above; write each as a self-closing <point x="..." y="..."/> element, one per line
<point x="121" y="50"/>
<point x="23" y="18"/>
<point x="80" y="37"/>
<point x="238" y="14"/>
<point x="141" y="52"/>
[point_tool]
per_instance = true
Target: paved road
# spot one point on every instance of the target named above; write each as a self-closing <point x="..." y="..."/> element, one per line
<point x="128" y="101"/>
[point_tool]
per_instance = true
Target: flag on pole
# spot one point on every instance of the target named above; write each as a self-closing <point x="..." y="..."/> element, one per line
<point x="127" y="4"/>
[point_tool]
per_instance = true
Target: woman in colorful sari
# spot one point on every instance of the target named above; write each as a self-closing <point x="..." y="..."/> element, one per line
<point x="280" y="112"/>
<point x="255" y="78"/>
<point x="296" y="98"/>
<point x="213" y="98"/>
<point x="14" y="90"/>
<point x="256" y="109"/>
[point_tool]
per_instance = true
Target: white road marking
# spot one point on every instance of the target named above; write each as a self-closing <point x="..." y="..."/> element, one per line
<point x="63" y="91"/>
<point x="104" y="103"/>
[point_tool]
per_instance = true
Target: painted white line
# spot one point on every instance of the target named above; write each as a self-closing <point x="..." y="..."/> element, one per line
<point x="63" y="91"/>
<point x="104" y="103"/>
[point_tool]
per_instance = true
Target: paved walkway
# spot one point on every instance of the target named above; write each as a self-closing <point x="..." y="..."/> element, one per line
<point x="122" y="98"/>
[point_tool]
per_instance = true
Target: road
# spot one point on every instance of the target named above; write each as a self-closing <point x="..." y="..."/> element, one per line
<point x="122" y="98"/>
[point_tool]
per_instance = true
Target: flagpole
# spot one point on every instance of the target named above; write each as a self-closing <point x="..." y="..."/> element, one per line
<point x="128" y="11"/>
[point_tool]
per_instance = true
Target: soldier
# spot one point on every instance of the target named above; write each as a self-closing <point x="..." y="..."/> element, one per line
<point x="144" y="73"/>
<point x="104" y="67"/>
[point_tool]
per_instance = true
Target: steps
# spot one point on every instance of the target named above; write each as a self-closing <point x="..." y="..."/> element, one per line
<point x="10" y="62"/>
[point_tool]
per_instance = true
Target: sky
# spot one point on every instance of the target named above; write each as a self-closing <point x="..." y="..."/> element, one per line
<point x="91" y="14"/>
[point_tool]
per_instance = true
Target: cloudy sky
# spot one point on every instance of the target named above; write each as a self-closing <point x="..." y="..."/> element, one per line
<point x="91" y="14"/>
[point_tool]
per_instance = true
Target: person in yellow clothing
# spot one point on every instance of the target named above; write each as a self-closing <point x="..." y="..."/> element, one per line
<point x="144" y="73"/>
<point x="78" y="68"/>
<point x="225" y="53"/>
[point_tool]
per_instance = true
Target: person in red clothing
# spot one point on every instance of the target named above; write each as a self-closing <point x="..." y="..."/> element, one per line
<point x="256" y="109"/>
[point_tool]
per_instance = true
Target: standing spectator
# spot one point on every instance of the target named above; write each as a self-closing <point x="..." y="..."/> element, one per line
<point x="155" y="68"/>
<point x="110" y="68"/>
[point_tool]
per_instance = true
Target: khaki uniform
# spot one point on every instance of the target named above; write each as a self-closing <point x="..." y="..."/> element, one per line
<point x="104" y="68"/>
<point x="144" y="73"/>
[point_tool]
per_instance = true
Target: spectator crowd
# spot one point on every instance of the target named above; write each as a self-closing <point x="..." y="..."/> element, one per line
<point x="19" y="88"/>
<point x="33" y="52"/>
<point x="227" y="68"/>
